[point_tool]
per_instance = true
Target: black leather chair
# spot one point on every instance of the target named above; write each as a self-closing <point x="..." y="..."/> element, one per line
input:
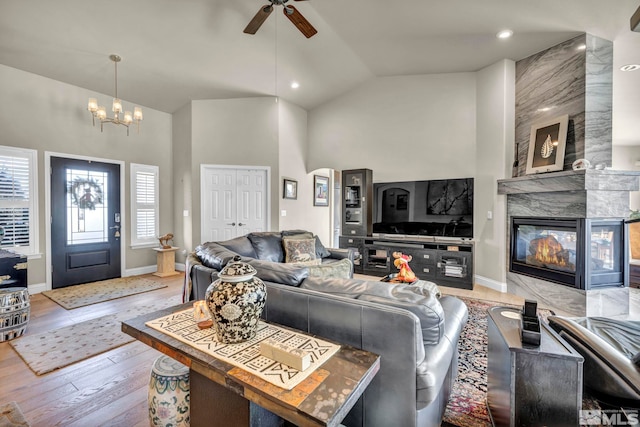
<point x="611" y="350"/>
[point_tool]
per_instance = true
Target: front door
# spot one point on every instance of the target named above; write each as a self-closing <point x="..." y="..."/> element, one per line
<point x="85" y="221"/>
<point x="234" y="202"/>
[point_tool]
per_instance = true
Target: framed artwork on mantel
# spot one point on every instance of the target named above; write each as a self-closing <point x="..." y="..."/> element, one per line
<point x="547" y="145"/>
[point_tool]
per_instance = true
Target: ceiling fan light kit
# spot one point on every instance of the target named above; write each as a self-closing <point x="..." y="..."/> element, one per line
<point x="289" y="11"/>
<point x="100" y="112"/>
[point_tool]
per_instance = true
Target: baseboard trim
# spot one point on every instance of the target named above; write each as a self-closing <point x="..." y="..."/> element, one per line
<point x="180" y="266"/>
<point x="490" y="283"/>
<point x="140" y="270"/>
<point x="37" y="288"/>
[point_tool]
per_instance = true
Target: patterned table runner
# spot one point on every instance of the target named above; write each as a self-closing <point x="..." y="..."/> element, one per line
<point x="246" y="355"/>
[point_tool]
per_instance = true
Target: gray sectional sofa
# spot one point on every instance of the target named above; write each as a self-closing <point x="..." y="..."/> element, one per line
<point x="414" y="331"/>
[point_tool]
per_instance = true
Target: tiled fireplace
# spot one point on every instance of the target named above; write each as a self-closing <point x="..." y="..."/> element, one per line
<point x="566" y="231"/>
<point x="577" y="252"/>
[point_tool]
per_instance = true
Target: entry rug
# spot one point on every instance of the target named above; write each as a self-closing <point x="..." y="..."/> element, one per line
<point x="11" y="416"/>
<point x="91" y="293"/>
<point x="58" y="348"/>
<point x="246" y="355"/>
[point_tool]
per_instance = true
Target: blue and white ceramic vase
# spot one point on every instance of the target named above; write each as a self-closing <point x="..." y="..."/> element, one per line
<point x="236" y="301"/>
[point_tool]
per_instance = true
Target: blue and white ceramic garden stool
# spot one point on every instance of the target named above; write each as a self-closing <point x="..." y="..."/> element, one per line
<point x="169" y="393"/>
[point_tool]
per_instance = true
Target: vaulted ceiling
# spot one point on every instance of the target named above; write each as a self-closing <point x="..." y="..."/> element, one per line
<point x="175" y="51"/>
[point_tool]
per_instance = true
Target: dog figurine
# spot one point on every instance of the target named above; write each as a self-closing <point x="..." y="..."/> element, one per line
<point x="164" y="240"/>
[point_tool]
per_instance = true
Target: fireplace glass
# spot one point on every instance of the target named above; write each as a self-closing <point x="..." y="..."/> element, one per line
<point x="583" y="253"/>
<point x="546" y="246"/>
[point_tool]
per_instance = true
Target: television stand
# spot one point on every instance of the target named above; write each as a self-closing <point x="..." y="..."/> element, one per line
<point x="445" y="262"/>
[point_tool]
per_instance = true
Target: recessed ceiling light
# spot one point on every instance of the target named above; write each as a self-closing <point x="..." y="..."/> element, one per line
<point x="295" y="85"/>
<point x="504" y="34"/>
<point x="630" y="67"/>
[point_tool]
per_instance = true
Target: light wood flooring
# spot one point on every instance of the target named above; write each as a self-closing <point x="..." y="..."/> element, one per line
<point x="111" y="388"/>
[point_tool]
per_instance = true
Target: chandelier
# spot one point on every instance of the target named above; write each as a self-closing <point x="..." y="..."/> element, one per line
<point x="100" y="112"/>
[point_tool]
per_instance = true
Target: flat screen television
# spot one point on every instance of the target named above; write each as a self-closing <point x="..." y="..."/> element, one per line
<point x="439" y="208"/>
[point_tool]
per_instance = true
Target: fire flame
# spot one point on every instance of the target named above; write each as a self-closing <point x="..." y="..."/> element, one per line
<point x="549" y="251"/>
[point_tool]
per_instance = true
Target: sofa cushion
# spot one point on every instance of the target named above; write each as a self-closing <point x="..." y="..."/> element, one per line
<point x="339" y="269"/>
<point x="214" y="255"/>
<point x="268" y="246"/>
<point x="299" y="250"/>
<point x="241" y="245"/>
<point x="286" y="274"/>
<point x="416" y="299"/>
<point x="321" y="251"/>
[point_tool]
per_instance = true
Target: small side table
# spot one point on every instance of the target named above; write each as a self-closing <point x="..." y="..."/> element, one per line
<point x="528" y="385"/>
<point x="166" y="262"/>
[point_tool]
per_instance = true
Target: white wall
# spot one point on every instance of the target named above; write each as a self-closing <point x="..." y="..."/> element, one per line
<point x="495" y="112"/>
<point x="241" y="132"/>
<point x="183" y="177"/>
<point x="625" y="158"/>
<point x="293" y="149"/>
<point x="47" y="115"/>
<point x="402" y="128"/>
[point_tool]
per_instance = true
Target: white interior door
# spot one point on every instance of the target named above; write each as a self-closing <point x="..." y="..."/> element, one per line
<point x="251" y="200"/>
<point x="235" y="201"/>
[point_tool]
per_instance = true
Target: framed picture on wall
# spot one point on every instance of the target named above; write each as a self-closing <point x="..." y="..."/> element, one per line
<point x="290" y="189"/>
<point x="547" y="145"/>
<point x="320" y="190"/>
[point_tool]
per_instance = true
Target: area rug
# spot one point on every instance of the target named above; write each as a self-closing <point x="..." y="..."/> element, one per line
<point x="11" y="416"/>
<point x="91" y="293"/>
<point x="58" y="348"/>
<point x="467" y="406"/>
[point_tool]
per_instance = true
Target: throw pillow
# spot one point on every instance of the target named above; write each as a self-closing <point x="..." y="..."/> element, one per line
<point x="321" y="251"/>
<point x="298" y="250"/>
<point x="340" y="269"/>
<point x="316" y="261"/>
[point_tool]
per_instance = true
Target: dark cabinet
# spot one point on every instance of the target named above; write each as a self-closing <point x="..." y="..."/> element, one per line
<point x="357" y="246"/>
<point x="13" y="269"/>
<point x="446" y="264"/>
<point x="357" y="199"/>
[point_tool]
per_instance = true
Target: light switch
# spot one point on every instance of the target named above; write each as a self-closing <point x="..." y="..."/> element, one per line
<point x="283" y="212"/>
<point x="185" y="212"/>
<point x="489" y="215"/>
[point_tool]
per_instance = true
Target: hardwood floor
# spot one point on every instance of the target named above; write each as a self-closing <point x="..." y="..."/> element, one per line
<point x="109" y="389"/>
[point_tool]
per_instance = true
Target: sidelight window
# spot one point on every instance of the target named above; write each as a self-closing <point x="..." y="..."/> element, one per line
<point x="145" y="205"/>
<point x="18" y="200"/>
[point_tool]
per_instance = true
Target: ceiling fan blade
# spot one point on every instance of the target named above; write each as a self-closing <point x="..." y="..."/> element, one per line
<point x="259" y="19"/>
<point x="299" y="21"/>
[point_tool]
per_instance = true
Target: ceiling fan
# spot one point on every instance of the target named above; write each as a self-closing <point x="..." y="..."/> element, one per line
<point x="289" y="11"/>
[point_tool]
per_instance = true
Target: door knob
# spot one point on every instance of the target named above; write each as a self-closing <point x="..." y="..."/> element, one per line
<point x="233" y="224"/>
<point x="241" y="224"/>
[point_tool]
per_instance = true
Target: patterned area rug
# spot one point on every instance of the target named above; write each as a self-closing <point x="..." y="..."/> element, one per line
<point x="11" y="416"/>
<point x="467" y="406"/>
<point x="105" y="290"/>
<point x="55" y="349"/>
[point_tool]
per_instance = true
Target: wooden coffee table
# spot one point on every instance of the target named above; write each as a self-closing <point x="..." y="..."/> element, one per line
<point x="221" y="393"/>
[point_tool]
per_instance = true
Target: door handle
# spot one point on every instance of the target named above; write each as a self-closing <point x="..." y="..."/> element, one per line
<point x="241" y="224"/>
<point x="233" y="224"/>
<point x="117" y="227"/>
